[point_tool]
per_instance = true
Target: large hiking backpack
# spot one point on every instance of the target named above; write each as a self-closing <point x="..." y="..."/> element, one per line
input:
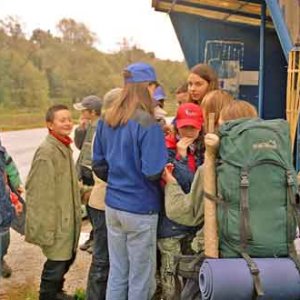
<point x="256" y="187"/>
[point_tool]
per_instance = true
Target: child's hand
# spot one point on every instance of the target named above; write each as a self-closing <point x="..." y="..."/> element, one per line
<point x="83" y="122"/>
<point x="16" y="203"/>
<point x="167" y="174"/>
<point x="18" y="208"/>
<point x="20" y="189"/>
<point x="212" y="142"/>
<point x="182" y="146"/>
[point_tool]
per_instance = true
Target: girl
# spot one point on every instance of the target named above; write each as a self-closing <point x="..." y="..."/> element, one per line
<point x="130" y="154"/>
<point x="201" y="80"/>
<point x="185" y="149"/>
<point x="214" y="102"/>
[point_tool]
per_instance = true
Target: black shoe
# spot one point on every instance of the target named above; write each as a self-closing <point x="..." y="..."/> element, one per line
<point x="5" y="269"/>
<point x="64" y="296"/>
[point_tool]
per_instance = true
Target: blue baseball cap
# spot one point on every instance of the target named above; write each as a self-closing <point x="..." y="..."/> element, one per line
<point x="140" y="72"/>
<point x="159" y="94"/>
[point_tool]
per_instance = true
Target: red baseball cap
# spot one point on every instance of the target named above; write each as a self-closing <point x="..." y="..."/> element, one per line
<point x="189" y="114"/>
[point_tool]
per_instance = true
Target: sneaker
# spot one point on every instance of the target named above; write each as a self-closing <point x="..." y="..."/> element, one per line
<point x="86" y="245"/>
<point x="5" y="269"/>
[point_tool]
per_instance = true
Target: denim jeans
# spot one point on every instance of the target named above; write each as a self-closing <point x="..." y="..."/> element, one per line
<point x="4" y="242"/>
<point x="52" y="279"/>
<point x="98" y="273"/>
<point x="132" y="252"/>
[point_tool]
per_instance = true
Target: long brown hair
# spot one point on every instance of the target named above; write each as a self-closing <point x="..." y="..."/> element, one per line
<point x="208" y="74"/>
<point x="133" y="96"/>
<point x="238" y="109"/>
<point x="214" y="102"/>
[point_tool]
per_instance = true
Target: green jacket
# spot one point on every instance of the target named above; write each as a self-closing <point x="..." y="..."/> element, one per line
<point x="85" y="156"/>
<point x="12" y="171"/>
<point x="187" y="209"/>
<point x="53" y="217"/>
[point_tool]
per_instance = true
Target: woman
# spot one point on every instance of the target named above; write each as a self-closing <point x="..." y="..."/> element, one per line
<point x="130" y="154"/>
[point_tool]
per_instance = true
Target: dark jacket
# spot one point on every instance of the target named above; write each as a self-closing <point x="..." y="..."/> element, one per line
<point x="184" y="176"/>
<point x="7" y="211"/>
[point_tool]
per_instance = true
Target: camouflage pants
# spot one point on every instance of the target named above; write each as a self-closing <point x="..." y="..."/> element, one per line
<point x="169" y="247"/>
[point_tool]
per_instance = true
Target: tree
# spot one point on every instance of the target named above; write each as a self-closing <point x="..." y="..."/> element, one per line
<point x="76" y="33"/>
<point x="12" y="27"/>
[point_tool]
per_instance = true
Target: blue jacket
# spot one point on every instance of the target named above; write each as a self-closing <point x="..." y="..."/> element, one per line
<point x="131" y="159"/>
<point x="6" y="208"/>
<point x="184" y="177"/>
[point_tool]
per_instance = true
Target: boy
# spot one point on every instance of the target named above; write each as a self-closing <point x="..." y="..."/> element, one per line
<point x="6" y="215"/>
<point x="13" y="182"/>
<point x="53" y="203"/>
<point x="90" y="108"/>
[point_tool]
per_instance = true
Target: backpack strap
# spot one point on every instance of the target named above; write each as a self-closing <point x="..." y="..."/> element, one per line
<point x="292" y="196"/>
<point x="216" y="199"/>
<point x="293" y="209"/>
<point x="255" y="274"/>
<point x="245" y="231"/>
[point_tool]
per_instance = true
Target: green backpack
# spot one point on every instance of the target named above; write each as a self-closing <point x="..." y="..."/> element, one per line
<point x="257" y="214"/>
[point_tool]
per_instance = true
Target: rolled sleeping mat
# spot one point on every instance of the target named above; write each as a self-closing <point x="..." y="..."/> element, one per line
<point x="230" y="279"/>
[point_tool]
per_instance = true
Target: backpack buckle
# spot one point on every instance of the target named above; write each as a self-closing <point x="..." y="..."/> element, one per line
<point x="290" y="179"/>
<point x="254" y="269"/>
<point x="244" y="179"/>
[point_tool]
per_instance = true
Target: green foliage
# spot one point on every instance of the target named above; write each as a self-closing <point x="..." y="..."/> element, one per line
<point x="79" y="294"/>
<point x="46" y="69"/>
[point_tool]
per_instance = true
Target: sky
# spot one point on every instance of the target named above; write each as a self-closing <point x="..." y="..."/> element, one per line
<point x="110" y="20"/>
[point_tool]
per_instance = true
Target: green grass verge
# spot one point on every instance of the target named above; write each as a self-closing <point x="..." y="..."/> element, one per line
<point x="18" y="119"/>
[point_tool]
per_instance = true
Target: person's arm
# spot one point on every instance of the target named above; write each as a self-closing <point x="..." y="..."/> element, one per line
<point x="40" y="199"/>
<point x="7" y="210"/>
<point x="12" y="172"/>
<point x="79" y="136"/>
<point x="185" y="209"/>
<point x="99" y="164"/>
<point x="153" y="152"/>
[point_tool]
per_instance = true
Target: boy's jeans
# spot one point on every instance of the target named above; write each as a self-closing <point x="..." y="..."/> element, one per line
<point x="132" y="251"/>
<point x="4" y="242"/>
<point x="98" y="274"/>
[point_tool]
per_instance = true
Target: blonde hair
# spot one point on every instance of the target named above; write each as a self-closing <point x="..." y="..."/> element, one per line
<point x="133" y="96"/>
<point x="109" y="98"/>
<point x="238" y="109"/>
<point x="214" y="102"/>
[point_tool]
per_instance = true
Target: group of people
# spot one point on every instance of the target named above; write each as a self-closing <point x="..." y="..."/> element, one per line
<point x="139" y="178"/>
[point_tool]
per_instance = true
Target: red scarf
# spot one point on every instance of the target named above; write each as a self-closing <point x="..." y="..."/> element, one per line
<point x="66" y="140"/>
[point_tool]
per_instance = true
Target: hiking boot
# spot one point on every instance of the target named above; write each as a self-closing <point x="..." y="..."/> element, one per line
<point x="5" y="269"/>
<point x="64" y="296"/>
<point x="86" y="245"/>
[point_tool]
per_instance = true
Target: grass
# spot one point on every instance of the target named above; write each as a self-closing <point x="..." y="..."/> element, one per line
<point x="18" y="119"/>
<point x="29" y="292"/>
<point x="23" y="292"/>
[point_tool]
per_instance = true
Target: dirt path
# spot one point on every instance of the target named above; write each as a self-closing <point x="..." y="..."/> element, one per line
<point x="27" y="260"/>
